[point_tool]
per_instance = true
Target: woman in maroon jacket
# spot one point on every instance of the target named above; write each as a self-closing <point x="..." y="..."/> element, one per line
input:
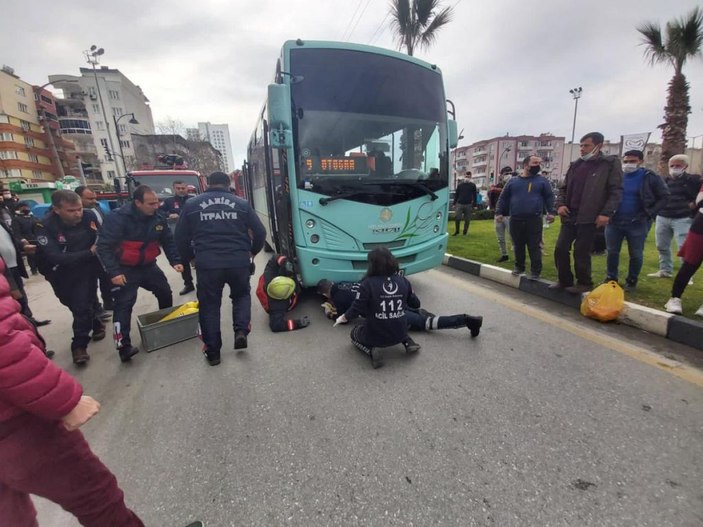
<point x="42" y="451"/>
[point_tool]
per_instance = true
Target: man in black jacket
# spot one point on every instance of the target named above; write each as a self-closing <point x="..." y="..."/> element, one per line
<point x="23" y="225"/>
<point x="587" y="199"/>
<point x="127" y="246"/>
<point x="675" y="218"/>
<point x="90" y="202"/>
<point x="223" y="233"/>
<point x="464" y="200"/>
<point x="66" y="257"/>
<point x="172" y="207"/>
<point x="11" y="249"/>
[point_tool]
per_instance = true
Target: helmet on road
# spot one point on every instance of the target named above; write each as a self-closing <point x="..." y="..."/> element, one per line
<point x="280" y="288"/>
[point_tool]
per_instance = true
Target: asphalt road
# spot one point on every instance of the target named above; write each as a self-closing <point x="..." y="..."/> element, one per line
<point x="545" y="419"/>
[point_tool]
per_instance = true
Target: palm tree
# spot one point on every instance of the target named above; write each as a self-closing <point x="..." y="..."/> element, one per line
<point x="683" y="40"/>
<point x="416" y="22"/>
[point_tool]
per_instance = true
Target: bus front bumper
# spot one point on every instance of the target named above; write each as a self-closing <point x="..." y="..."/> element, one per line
<point x="315" y="264"/>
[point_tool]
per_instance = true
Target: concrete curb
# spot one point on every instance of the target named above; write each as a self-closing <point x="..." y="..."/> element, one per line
<point x="673" y="327"/>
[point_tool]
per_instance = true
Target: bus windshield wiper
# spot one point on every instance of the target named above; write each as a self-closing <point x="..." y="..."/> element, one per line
<point x="416" y="185"/>
<point x="343" y="195"/>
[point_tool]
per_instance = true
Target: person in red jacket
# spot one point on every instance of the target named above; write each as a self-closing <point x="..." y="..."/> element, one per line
<point x="42" y="451"/>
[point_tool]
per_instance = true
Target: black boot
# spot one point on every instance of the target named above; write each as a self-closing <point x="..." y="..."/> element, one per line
<point x="188" y="288"/>
<point x="411" y="346"/>
<point x="127" y="352"/>
<point x="376" y="358"/>
<point x="213" y="357"/>
<point x="474" y="324"/>
<point x="240" y="340"/>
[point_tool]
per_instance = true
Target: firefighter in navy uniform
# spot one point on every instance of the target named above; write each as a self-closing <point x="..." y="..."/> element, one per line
<point x="66" y="257"/>
<point x="128" y="244"/>
<point x="278" y="305"/>
<point x="172" y="207"/>
<point x="222" y="233"/>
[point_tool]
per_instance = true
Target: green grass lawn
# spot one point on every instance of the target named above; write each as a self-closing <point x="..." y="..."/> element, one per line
<point x="481" y="245"/>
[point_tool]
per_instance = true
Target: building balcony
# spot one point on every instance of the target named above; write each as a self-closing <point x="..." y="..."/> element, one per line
<point x="75" y="125"/>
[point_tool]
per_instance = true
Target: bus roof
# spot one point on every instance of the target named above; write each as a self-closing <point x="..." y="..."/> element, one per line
<point x="328" y="44"/>
<point x="163" y="172"/>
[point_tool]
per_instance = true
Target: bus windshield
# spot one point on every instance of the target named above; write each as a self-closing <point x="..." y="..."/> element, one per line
<point x="162" y="184"/>
<point x="367" y="121"/>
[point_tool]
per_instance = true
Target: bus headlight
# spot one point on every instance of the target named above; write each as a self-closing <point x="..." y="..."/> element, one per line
<point x="314" y="238"/>
<point x="436" y="229"/>
<point x="439" y="215"/>
<point x="310" y="224"/>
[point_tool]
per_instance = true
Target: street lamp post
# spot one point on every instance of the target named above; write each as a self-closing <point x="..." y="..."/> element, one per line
<point x="500" y="161"/>
<point x="92" y="56"/>
<point x="461" y="136"/>
<point x="133" y="120"/>
<point x="576" y="94"/>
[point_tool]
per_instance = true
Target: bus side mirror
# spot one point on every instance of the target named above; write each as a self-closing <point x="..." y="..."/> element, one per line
<point x="453" y="133"/>
<point x="279" y="116"/>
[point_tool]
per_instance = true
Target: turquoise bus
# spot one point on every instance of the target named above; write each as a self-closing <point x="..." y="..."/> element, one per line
<point x="351" y="152"/>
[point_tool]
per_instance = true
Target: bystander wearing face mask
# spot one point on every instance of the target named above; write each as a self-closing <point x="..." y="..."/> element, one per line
<point x="676" y="171"/>
<point x="628" y="168"/>
<point x="586" y="157"/>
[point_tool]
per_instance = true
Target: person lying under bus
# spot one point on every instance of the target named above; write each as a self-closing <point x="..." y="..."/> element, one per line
<point x="278" y="292"/>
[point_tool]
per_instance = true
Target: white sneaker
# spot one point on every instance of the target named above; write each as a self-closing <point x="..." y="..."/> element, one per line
<point x="660" y="274"/>
<point x="674" y="306"/>
<point x="699" y="313"/>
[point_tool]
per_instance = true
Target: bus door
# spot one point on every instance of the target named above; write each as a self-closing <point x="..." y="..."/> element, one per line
<point x="278" y="198"/>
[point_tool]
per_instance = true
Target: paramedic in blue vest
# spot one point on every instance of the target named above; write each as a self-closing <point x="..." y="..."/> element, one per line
<point x="172" y="207"/>
<point x="128" y="244"/>
<point x="222" y="233"/>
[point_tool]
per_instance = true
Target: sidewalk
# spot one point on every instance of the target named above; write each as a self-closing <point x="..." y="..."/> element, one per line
<point x="673" y="327"/>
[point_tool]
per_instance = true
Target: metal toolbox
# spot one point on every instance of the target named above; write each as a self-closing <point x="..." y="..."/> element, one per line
<point x="156" y="335"/>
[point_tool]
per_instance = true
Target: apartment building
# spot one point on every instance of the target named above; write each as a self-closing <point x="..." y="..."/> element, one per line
<point x="218" y="136"/>
<point x="31" y="147"/>
<point x="99" y="111"/>
<point x="486" y="158"/>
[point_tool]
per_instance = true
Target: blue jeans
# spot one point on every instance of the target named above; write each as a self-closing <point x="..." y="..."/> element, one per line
<point x="666" y="229"/>
<point x="635" y="232"/>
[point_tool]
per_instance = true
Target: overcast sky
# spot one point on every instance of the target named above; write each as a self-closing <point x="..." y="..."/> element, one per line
<point x="508" y="64"/>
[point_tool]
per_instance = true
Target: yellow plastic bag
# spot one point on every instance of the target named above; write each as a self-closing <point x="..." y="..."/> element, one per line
<point x="186" y="309"/>
<point x="604" y="303"/>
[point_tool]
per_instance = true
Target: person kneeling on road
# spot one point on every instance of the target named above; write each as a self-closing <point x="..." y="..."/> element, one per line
<point x="382" y="299"/>
<point x="278" y="292"/>
<point x="127" y="246"/>
<point x="340" y="296"/>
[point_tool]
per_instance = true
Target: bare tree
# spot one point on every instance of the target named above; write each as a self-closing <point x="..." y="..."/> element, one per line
<point x="172" y="127"/>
